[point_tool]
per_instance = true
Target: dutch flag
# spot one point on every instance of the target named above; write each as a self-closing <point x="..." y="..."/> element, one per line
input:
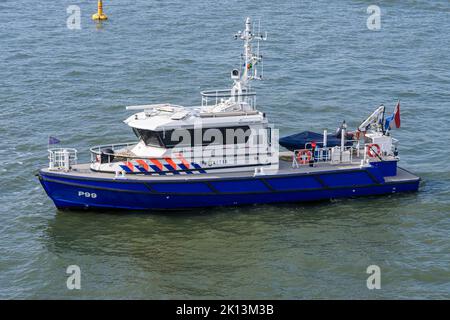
<point x="395" y="117"/>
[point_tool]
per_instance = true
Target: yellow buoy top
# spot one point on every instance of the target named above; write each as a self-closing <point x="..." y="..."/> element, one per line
<point x="99" y="15"/>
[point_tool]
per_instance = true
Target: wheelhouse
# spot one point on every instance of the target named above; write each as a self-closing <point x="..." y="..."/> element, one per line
<point x="194" y="137"/>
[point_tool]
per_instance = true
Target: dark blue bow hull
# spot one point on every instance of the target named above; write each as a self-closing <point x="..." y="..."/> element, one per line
<point x="72" y="191"/>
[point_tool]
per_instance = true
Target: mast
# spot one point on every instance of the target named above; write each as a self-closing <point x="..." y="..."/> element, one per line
<point x="249" y="67"/>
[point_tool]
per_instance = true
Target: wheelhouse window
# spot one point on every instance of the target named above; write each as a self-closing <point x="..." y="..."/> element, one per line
<point x="191" y="137"/>
<point x="208" y="136"/>
<point x="150" y="138"/>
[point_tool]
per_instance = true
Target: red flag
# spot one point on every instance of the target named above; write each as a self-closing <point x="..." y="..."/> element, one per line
<point x="397" y="115"/>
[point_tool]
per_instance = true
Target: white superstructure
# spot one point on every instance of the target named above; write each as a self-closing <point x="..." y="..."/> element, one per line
<point x="226" y="132"/>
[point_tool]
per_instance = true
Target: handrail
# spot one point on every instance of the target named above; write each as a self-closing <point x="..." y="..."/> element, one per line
<point x="99" y="151"/>
<point x="213" y="97"/>
<point x="114" y="146"/>
<point x="62" y="158"/>
<point x="324" y="154"/>
<point x="223" y="93"/>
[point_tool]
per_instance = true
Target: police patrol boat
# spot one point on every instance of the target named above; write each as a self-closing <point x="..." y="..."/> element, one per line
<point x="225" y="152"/>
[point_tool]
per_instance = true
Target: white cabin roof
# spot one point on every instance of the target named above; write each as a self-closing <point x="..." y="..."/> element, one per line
<point x="165" y="117"/>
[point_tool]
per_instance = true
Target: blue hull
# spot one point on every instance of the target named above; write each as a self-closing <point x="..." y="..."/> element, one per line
<point x="68" y="191"/>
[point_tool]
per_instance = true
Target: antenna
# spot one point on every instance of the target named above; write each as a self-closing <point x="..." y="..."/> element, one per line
<point x="251" y="58"/>
<point x="240" y="92"/>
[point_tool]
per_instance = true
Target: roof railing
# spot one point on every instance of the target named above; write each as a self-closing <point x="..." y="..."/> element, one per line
<point x="214" y="97"/>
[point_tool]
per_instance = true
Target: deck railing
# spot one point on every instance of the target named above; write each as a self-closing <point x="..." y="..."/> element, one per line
<point x="62" y="158"/>
<point x="114" y="147"/>
<point x="122" y="152"/>
<point x="346" y="155"/>
<point x="105" y="151"/>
